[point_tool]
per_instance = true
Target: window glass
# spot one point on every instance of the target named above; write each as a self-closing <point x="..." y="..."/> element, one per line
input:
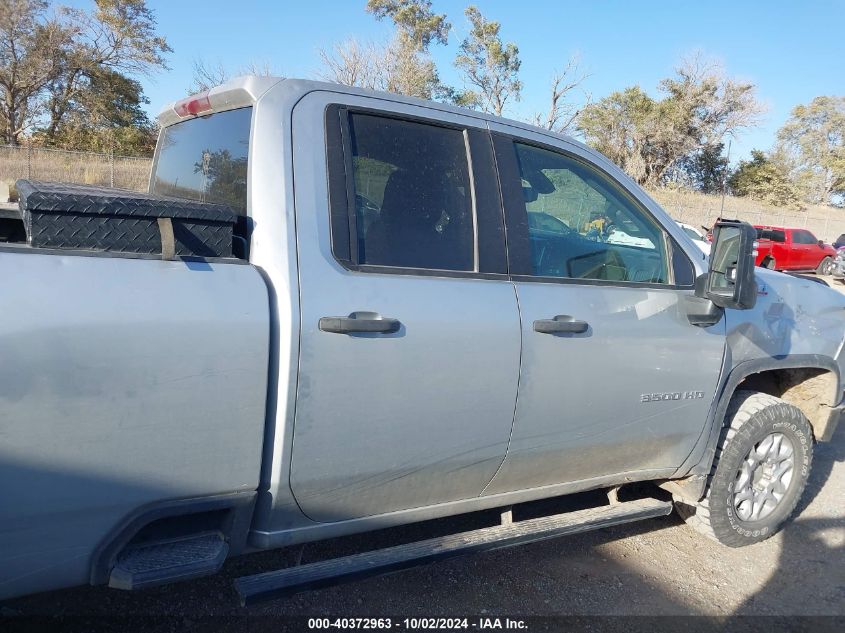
<point x="771" y="234"/>
<point x="581" y="225"/>
<point x="205" y="159"/>
<point x="803" y="237"/>
<point x="413" y="205"/>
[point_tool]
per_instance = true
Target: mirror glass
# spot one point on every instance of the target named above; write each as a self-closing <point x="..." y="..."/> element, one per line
<point x="724" y="260"/>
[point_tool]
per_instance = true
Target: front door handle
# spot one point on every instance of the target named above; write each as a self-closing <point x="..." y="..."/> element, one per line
<point x="562" y="323"/>
<point x="359" y="322"/>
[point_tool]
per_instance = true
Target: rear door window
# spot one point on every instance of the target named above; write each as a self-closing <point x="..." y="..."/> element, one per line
<point x="412" y="194"/>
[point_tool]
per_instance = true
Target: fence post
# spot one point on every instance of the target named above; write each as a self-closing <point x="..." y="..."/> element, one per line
<point x="111" y="165"/>
<point x="29" y="161"/>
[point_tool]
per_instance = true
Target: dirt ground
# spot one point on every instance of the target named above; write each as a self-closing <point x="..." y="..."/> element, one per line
<point x="654" y="567"/>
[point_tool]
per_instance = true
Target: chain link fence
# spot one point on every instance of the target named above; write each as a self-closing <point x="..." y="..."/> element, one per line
<point x="700" y="210"/>
<point x="90" y="168"/>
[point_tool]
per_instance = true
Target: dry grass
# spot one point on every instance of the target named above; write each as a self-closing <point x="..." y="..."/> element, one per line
<point x="78" y="167"/>
<point x="132" y="173"/>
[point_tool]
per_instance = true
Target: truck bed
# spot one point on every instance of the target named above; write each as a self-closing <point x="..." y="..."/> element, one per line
<point x="123" y="382"/>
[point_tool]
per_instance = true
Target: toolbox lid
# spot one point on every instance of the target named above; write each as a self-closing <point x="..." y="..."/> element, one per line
<point x="55" y="197"/>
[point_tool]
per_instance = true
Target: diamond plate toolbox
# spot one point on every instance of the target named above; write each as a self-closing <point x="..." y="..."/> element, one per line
<point x="60" y="215"/>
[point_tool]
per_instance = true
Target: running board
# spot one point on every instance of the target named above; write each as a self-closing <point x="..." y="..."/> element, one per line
<point x="291" y="580"/>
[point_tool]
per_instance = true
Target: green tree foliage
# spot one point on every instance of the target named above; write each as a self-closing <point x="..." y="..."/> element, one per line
<point x="648" y="136"/>
<point x="106" y="114"/>
<point x="31" y="57"/>
<point x="406" y="66"/>
<point x="705" y="170"/>
<point x="414" y="19"/>
<point x="812" y="147"/>
<point x="762" y="179"/>
<point x="48" y="59"/>
<point x="488" y="65"/>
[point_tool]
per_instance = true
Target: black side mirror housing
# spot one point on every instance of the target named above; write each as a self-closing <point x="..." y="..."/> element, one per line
<point x="821" y="243"/>
<point x="730" y="282"/>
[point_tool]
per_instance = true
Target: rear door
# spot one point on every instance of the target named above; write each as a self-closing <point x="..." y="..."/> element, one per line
<point x="410" y="337"/>
<point x="614" y="378"/>
<point x="805" y="245"/>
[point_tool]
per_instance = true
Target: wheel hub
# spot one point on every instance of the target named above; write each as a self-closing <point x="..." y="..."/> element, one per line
<point x="764" y="477"/>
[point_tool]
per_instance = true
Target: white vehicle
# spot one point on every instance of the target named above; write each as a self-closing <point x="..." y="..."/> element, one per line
<point x="696" y="236"/>
<point x="618" y="236"/>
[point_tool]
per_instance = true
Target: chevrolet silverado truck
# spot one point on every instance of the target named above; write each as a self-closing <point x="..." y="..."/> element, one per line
<point x="781" y="248"/>
<point x="338" y="311"/>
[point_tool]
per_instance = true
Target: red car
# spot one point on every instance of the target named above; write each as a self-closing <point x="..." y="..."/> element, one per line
<point x="793" y="249"/>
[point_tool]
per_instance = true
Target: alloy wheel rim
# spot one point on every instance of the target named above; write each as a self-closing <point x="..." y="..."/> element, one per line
<point x="764" y="477"/>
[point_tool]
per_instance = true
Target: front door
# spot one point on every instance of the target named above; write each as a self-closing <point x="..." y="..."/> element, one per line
<point x="614" y="378"/>
<point x="410" y="336"/>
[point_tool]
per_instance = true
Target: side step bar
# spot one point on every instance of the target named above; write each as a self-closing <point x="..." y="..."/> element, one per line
<point x="291" y="580"/>
<point x="169" y="560"/>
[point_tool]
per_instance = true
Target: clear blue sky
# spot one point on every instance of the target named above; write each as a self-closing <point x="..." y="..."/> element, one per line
<point x="792" y="51"/>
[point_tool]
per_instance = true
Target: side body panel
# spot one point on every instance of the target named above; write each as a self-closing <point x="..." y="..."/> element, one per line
<point x="395" y="421"/>
<point x="123" y="382"/>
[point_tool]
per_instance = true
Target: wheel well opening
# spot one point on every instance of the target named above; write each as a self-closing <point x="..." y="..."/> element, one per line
<point x="813" y="390"/>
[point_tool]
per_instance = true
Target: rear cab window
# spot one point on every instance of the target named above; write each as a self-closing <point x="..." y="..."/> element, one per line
<point x="206" y="159"/>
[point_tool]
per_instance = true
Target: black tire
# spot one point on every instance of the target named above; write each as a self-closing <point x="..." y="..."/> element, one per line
<point x="825" y="266"/>
<point x="769" y="262"/>
<point x="752" y="417"/>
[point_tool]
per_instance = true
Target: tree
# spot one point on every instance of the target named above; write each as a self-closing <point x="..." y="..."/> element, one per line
<point x="408" y="67"/>
<point x="647" y="136"/>
<point x="48" y="59"/>
<point x="119" y="36"/>
<point x="353" y="63"/>
<point x="811" y="145"/>
<point x="761" y="179"/>
<point x="562" y="115"/>
<point x="414" y="20"/>
<point x="705" y="170"/>
<point x="488" y="65"/>
<point x="207" y="75"/>
<point x="105" y="116"/>
<point x="32" y="49"/>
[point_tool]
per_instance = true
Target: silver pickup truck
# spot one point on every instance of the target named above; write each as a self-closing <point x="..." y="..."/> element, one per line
<point x="427" y="311"/>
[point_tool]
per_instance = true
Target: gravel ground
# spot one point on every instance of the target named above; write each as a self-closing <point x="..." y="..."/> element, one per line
<point x="655" y="567"/>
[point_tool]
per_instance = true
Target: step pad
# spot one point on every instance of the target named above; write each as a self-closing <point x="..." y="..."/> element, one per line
<point x="291" y="580"/>
<point x="160" y="562"/>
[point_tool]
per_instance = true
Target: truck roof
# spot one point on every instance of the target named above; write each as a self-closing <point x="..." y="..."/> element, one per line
<point x="242" y="91"/>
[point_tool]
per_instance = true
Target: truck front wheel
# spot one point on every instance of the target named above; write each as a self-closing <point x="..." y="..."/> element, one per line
<point x="759" y="472"/>
<point x="825" y="267"/>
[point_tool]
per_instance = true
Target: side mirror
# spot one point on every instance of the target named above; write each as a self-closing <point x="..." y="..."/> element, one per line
<point x="730" y="282"/>
<point x="821" y="243"/>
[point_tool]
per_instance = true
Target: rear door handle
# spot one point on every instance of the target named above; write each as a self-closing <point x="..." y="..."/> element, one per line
<point x="561" y="323"/>
<point x="359" y="322"/>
